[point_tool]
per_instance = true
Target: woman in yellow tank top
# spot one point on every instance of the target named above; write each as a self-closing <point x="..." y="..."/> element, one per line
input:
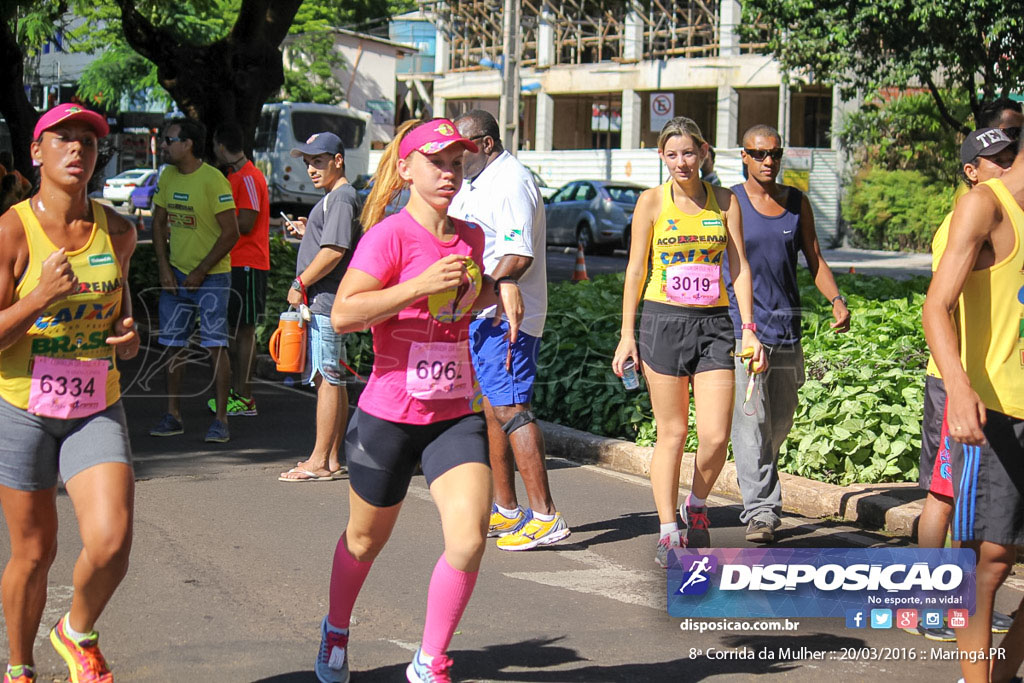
<point x="684" y="229"/>
<point x="65" y="313"/>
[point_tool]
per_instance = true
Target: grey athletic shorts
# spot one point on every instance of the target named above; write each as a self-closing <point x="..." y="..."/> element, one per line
<point x="34" y="449"/>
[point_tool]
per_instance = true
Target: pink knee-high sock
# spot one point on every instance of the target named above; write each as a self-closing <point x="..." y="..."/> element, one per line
<point x="447" y="597"/>
<point x="347" y="576"/>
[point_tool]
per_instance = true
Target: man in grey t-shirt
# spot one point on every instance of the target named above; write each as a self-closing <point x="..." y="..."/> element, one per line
<point x="329" y="235"/>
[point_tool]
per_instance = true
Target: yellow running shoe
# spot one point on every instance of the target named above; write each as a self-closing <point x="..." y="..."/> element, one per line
<point x="534" y="533"/>
<point x="502" y="525"/>
<point x="84" y="659"/>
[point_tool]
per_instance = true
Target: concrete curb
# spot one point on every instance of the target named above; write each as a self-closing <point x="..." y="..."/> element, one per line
<point x="892" y="507"/>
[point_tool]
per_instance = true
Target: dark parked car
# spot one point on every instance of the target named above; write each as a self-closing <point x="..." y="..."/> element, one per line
<point x="142" y="196"/>
<point x="594" y="213"/>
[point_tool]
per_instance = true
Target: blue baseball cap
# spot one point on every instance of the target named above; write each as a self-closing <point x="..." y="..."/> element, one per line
<point x="320" y="143"/>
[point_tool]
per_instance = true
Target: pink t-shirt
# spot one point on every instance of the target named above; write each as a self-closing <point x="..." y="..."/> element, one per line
<point x="419" y="360"/>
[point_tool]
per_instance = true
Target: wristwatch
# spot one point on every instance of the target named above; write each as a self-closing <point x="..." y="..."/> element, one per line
<point x="297" y="285"/>
<point x="749" y="326"/>
<point x="838" y="297"/>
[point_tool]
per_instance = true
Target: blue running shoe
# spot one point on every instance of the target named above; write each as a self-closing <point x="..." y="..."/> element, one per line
<point x="167" y="426"/>
<point x="332" y="659"/>
<point x="218" y="433"/>
<point x="436" y="671"/>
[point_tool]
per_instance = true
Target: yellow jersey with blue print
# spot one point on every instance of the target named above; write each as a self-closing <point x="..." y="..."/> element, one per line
<point x="688" y="253"/>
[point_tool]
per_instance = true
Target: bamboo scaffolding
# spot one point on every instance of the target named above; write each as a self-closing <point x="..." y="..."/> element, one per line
<point x="584" y="31"/>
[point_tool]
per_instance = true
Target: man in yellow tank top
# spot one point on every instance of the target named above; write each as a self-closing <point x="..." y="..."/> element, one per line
<point x="982" y="273"/>
<point x="65" y="313"/>
<point x="985" y="154"/>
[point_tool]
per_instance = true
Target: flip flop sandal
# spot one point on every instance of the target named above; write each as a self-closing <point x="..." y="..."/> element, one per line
<point x="309" y="476"/>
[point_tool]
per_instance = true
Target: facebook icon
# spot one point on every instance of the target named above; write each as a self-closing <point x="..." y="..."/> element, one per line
<point x="856" y="618"/>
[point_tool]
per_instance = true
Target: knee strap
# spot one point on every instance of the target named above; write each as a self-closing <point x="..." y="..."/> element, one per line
<point x="520" y="419"/>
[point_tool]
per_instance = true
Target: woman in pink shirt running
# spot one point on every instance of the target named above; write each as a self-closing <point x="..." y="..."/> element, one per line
<point x="414" y="279"/>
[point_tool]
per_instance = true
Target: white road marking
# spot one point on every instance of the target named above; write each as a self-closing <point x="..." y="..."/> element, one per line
<point x="411" y="647"/>
<point x="604" y="578"/>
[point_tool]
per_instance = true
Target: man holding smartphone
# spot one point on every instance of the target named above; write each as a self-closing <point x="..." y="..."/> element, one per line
<point x="329" y="235"/>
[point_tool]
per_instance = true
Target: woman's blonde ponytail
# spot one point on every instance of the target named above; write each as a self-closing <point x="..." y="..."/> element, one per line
<point x="386" y="181"/>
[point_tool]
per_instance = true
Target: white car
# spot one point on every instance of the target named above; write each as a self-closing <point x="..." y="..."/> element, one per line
<point x="119" y="188"/>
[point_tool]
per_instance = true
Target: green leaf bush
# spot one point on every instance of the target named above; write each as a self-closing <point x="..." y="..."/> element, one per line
<point x="859" y="416"/>
<point x="895" y="210"/>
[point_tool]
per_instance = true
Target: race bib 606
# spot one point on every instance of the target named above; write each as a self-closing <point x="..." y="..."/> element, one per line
<point x="439" y="370"/>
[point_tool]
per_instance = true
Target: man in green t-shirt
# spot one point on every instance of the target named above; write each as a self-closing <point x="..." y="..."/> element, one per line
<point x="194" y="208"/>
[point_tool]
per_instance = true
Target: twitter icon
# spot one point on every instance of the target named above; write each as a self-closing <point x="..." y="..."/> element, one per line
<point x="881" y="618"/>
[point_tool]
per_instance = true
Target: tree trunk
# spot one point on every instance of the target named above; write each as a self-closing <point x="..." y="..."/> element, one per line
<point x="14" y="105"/>
<point x="224" y="82"/>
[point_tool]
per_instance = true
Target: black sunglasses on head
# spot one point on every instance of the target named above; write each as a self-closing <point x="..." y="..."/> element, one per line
<point x="760" y="154"/>
<point x="1013" y="132"/>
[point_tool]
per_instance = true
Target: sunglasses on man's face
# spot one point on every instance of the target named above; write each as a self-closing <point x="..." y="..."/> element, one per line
<point x="169" y="140"/>
<point x="761" y="154"/>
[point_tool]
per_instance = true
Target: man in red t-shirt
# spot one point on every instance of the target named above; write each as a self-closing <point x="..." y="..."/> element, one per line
<point x="250" y="261"/>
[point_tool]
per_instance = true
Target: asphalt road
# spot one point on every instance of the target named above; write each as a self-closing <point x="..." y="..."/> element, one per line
<point x="230" y="569"/>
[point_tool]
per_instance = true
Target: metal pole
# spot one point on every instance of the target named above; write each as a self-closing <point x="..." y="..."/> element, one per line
<point x="508" y="111"/>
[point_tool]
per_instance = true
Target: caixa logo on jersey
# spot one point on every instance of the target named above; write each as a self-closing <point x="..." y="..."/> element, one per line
<point x="816" y="582"/>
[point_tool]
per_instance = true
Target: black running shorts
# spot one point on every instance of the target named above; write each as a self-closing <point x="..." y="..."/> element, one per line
<point x="682" y="341"/>
<point x="382" y="455"/>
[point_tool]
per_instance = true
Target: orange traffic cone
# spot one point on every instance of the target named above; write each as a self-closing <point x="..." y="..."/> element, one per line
<point x="579" y="274"/>
<point x="853" y="270"/>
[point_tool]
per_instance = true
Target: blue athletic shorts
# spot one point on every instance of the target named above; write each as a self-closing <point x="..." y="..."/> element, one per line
<point x="178" y="311"/>
<point x="325" y="349"/>
<point x="501" y="387"/>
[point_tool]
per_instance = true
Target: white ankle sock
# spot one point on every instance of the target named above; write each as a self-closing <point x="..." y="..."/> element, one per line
<point x="508" y="514"/>
<point x="693" y="501"/>
<point x="72" y="633"/>
<point x="543" y="518"/>
<point x="666" y="529"/>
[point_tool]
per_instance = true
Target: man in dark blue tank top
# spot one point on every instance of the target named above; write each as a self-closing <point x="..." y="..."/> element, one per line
<point x="777" y="224"/>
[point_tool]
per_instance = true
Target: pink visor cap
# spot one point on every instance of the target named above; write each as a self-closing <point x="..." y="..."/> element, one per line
<point x="71" y="112"/>
<point x="431" y="137"/>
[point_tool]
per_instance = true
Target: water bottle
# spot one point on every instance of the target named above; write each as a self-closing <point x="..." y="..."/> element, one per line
<point x="630" y="379"/>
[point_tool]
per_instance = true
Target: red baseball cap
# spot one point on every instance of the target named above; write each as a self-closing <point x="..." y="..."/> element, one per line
<point x="431" y="137"/>
<point x="71" y="111"/>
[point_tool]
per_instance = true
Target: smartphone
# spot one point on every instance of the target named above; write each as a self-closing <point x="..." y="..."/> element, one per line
<point x="290" y="224"/>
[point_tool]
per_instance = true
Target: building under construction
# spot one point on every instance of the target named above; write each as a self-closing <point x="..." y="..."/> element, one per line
<point x="603" y="73"/>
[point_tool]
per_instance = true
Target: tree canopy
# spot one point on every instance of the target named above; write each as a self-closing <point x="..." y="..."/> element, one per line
<point x="971" y="46"/>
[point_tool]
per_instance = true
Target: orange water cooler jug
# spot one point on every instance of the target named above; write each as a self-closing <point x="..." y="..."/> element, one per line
<point x="288" y="343"/>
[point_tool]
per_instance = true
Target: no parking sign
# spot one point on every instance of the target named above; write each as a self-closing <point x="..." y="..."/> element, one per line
<point x="663" y="106"/>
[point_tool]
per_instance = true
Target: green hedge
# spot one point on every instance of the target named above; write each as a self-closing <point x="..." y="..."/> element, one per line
<point x="859" y="417"/>
<point x="897" y="210"/>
